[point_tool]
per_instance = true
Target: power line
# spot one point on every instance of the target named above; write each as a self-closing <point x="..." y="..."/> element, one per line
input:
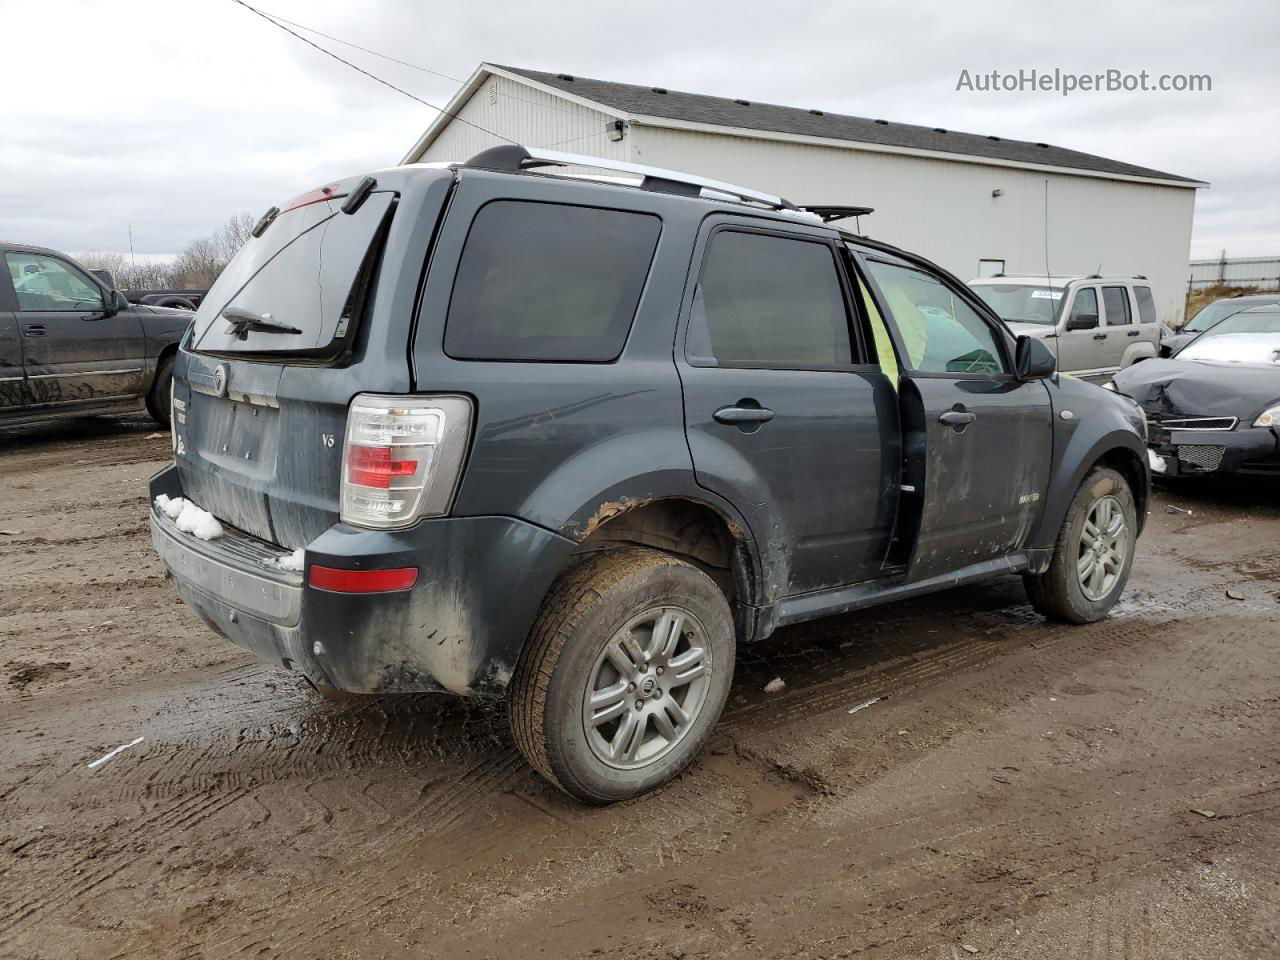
<point x="404" y="63"/>
<point x="371" y="76"/>
<point x="355" y="46"/>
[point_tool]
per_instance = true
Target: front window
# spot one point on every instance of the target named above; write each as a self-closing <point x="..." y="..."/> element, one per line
<point x="45" y="284"/>
<point x="1021" y="302"/>
<point x="941" y="333"/>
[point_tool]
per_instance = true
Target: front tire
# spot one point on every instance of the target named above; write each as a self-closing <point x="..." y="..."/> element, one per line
<point x="1093" y="555"/>
<point x="624" y="674"/>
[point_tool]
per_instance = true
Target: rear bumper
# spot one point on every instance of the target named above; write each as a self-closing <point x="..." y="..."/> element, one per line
<point x="459" y="629"/>
<point x="1244" y="451"/>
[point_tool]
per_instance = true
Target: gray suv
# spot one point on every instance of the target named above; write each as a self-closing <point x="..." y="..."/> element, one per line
<point x="497" y="430"/>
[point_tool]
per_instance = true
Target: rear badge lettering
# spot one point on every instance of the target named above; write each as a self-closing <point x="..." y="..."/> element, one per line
<point x="1029" y="498"/>
<point x="327" y="439"/>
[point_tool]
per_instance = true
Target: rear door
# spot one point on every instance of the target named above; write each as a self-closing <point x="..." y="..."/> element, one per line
<point x="13" y="389"/>
<point x="977" y="440"/>
<point x="260" y="413"/>
<point x="785" y="416"/>
<point x="1121" y="326"/>
<point x="72" y="351"/>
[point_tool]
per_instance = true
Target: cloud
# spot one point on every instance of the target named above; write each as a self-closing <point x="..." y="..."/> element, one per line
<point x="173" y="116"/>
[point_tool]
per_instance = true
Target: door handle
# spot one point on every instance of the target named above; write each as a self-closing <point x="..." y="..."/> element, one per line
<point x="1135" y="333"/>
<point x="33" y="330"/>
<point x="741" y="413"/>
<point x="1099" y="336"/>
<point x="957" y="418"/>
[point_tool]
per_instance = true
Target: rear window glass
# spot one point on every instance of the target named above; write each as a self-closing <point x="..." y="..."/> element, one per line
<point x="1146" y="304"/>
<point x="543" y="281"/>
<point x="769" y="300"/>
<point x="300" y="273"/>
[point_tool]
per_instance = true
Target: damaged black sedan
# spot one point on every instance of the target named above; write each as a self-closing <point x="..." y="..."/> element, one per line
<point x="1214" y="409"/>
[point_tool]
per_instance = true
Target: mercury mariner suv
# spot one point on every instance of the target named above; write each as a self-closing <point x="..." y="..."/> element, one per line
<point x="497" y="430"/>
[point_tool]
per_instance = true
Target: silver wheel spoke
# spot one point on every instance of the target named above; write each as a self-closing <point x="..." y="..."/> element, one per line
<point x="629" y="736"/>
<point x="1090" y="534"/>
<point x="662" y="721"/>
<point x="687" y="667"/>
<point x="608" y="703"/>
<point x="625" y="666"/>
<point x="666" y="634"/>
<point x="1085" y="566"/>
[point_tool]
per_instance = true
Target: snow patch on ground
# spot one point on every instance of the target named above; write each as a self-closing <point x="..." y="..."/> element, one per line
<point x="1157" y="462"/>
<point x="189" y="518"/>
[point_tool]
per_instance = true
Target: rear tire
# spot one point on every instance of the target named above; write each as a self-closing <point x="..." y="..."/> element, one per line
<point x="158" y="398"/>
<point x="624" y="674"/>
<point x="1093" y="555"/>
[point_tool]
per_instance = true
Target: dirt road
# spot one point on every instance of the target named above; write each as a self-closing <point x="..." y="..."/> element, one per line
<point x="1021" y="790"/>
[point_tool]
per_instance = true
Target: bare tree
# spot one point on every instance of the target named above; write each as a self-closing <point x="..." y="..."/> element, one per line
<point x="195" y="268"/>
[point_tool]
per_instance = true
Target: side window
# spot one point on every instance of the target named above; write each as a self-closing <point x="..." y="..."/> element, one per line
<point x="769" y="300"/>
<point x="1146" y="304"/>
<point x="1085" y="305"/>
<point x="1116" y="302"/>
<point x="941" y="333"/>
<point x="545" y="281"/>
<point x="43" y="283"/>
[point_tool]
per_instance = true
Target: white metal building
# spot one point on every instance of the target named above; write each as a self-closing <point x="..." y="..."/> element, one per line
<point x="975" y="204"/>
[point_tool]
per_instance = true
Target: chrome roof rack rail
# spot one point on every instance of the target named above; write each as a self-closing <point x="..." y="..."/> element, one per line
<point x="515" y="158"/>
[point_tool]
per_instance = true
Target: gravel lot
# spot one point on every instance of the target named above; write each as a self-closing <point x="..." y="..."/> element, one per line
<point x="1023" y="790"/>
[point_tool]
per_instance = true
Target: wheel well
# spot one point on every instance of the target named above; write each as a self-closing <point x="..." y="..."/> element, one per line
<point x="686" y="528"/>
<point x="1128" y="465"/>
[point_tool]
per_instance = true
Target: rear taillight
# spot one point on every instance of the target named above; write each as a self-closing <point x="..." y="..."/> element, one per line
<point x="402" y="458"/>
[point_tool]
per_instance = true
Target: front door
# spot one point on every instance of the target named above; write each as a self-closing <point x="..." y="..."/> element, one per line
<point x="1084" y="349"/>
<point x="72" y="351"/>
<point x="978" y="441"/>
<point x="785" y="417"/>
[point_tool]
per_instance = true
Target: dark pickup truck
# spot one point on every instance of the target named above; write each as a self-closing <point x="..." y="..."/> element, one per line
<point x="72" y="346"/>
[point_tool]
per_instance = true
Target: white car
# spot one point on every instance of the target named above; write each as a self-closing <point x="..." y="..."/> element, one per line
<point x="1096" y="325"/>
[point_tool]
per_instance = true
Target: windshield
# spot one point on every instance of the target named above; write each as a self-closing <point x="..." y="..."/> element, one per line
<point x="1021" y="302"/>
<point x="297" y="280"/>
<point x="1246" y="321"/>
<point x="1254" y="348"/>
<point x="1213" y="312"/>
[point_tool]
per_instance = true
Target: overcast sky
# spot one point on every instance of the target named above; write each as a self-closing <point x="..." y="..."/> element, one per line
<point x="171" y="115"/>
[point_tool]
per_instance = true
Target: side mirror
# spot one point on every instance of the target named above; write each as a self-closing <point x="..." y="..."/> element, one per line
<point x="116" y="302"/>
<point x="1034" y="359"/>
<point x="1083" y="321"/>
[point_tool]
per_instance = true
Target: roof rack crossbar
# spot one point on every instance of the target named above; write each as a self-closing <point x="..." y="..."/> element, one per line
<point x="525" y="158"/>
<point x="831" y="213"/>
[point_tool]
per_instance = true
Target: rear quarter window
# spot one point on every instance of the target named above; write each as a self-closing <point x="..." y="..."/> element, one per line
<point x="552" y="282"/>
<point x="1146" y="304"/>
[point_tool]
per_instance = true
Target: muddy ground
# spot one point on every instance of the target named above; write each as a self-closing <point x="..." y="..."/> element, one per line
<point x="1023" y="790"/>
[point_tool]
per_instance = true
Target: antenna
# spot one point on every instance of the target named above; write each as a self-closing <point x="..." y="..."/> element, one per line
<point x="1048" y="274"/>
<point x="132" y="261"/>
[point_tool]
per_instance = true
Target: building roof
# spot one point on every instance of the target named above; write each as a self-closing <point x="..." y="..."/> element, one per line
<point x="697" y="108"/>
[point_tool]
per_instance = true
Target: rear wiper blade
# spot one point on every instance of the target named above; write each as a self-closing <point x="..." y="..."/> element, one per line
<point x="242" y="321"/>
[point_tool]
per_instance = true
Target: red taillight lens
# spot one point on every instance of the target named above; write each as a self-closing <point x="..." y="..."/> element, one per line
<point x="402" y="457"/>
<point x="374" y="466"/>
<point x="362" y="581"/>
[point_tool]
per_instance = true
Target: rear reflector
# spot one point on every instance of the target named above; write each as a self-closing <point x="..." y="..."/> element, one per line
<point x="362" y="581"/>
